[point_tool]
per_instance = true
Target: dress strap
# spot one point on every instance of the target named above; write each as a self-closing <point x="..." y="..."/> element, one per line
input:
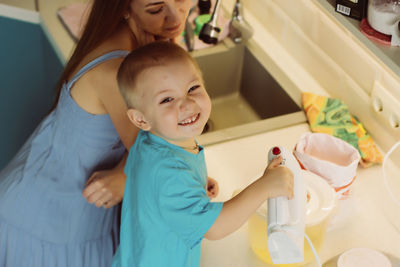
<point x="94" y="63"/>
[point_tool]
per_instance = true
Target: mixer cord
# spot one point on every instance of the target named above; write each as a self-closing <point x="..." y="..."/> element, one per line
<point x="395" y="200"/>
<point x="310" y="243"/>
<point x="313" y="250"/>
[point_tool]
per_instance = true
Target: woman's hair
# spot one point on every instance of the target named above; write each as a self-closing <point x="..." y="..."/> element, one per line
<point x="150" y="55"/>
<point x="105" y="16"/>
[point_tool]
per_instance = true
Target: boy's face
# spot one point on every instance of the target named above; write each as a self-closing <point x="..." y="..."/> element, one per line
<point x="172" y="102"/>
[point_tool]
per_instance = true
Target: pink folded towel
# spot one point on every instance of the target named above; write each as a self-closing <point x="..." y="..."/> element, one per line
<point x="74" y="17"/>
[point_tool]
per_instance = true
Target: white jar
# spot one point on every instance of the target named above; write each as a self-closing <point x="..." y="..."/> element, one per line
<point x="384" y="15"/>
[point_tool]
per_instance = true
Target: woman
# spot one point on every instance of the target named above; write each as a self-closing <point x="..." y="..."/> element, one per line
<point x="45" y="220"/>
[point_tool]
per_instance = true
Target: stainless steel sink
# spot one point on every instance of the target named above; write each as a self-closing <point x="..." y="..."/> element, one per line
<point x="246" y="99"/>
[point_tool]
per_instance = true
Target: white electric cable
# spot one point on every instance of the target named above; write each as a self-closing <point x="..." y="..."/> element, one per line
<point x="395" y="200"/>
<point x="313" y="250"/>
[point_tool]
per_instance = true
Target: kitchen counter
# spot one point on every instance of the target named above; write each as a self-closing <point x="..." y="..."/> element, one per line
<point x="367" y="219"/>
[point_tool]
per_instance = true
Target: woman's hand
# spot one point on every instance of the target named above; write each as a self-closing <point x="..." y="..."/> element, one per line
<point x="212" y="188"/>
<point x="105" y="188"/>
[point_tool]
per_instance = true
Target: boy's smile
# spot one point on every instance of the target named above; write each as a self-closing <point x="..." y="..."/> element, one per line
<point x="190" y="120"/>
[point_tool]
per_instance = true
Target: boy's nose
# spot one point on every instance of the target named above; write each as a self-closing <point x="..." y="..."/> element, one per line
<point x="187" y="104"/>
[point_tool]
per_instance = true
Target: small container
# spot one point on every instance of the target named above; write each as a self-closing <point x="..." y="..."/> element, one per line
<point x="321" y="201"/>
<point x="329" y="157"/>
<point x="364" y="257"/>
<point x="199" y="21"/>
<point x="356" y="9"/>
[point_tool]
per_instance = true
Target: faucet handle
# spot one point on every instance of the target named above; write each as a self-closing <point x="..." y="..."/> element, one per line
<point x="239" y="29"/>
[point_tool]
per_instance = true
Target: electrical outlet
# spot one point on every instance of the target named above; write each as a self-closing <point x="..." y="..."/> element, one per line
<point x="386" y="106"/>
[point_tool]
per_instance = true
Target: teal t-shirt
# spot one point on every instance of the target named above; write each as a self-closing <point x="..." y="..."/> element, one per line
<point x="165" y="210"/>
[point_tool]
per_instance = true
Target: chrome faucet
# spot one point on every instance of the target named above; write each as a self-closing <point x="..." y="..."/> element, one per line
<point x="189" y="33"/>
<point x="239" y="29"/>
<point x="210" y="31"/>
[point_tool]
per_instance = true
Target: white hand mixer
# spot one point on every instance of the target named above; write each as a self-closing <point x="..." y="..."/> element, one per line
<point x="286" y="217"/>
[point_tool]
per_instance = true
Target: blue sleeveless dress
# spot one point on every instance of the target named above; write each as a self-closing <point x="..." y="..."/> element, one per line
<point x="44" y="219"/>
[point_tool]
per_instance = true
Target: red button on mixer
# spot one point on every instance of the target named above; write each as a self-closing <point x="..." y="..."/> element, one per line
<point x="276" y="151"/>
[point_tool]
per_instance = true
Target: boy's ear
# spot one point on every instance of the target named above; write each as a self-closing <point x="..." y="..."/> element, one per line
<point x="138" y="119"/>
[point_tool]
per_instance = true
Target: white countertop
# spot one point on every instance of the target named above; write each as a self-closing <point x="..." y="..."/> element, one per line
<point x="367" y="219"/>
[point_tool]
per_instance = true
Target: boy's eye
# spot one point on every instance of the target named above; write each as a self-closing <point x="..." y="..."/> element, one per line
<point x="155" y="11"/>
<point x="193" y="88"/>
<point x="166" y="100"/>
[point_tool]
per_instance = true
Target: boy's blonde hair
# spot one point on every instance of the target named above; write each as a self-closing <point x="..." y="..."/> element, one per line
<point x="151" y="55"/>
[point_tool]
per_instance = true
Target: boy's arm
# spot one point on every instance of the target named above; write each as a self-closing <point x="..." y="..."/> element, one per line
<point x="276" y="181"/>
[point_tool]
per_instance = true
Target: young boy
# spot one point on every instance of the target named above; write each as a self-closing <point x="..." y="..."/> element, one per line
<point x="166" y="211"/>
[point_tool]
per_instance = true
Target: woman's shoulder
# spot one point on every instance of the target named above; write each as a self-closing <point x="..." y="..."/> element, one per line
<point x="108" y="55"/>
<point x="108" y="61"/>
<point x="98" y="84"/>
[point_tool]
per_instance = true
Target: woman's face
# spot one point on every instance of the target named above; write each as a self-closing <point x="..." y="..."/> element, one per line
<point x="163" y="18"/>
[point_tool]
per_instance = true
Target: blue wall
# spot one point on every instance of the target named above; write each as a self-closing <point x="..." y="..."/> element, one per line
<point x="29" y="70"/>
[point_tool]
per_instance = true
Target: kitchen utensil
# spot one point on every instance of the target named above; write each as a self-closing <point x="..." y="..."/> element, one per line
<point x="320" y="205"/>
<point x="286" y="217"/>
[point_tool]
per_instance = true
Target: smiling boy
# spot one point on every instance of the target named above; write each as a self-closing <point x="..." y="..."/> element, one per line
<point x="166" y="211"/>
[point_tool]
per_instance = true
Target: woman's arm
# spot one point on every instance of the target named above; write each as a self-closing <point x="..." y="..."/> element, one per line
<point x="99" y="89"/>
<point x="106" y="188"/>
<point x="113" y="103"/>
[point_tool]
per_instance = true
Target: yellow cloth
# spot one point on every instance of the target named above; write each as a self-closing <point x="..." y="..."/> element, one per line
<point x="332" y="116"/>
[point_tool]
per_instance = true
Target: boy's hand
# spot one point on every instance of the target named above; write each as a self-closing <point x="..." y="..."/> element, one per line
<point x="278" y="179"/>
<point x="212" y="188"/>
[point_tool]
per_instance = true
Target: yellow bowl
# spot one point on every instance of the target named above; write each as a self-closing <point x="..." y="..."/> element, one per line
<point x="321" y="200"/>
